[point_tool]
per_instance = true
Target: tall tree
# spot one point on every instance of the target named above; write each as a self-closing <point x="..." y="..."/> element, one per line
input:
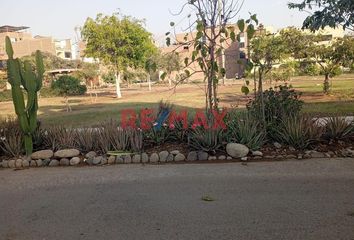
<point x="118" y="41"/>
<point x="327" y="13"/>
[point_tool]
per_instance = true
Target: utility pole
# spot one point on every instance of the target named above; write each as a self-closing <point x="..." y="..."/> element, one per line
<point x="221" y="18"/>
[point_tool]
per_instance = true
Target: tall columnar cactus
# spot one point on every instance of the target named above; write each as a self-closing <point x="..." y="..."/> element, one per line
<point x="23" y="74"/>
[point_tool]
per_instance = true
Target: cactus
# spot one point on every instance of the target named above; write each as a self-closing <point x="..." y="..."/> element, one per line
<point x="22" y="74"/>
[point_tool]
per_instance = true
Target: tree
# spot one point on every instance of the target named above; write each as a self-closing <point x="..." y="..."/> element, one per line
<point x="208" y="33"/>
<point x="66" y="86"/>
<point x="327" y="13"/>
<point x="331" y="58"/>
<point x="118" y="41"/>
<point x="170" y="62"/>
<point x="265" y="51"/>
<point x="88" y="72"/>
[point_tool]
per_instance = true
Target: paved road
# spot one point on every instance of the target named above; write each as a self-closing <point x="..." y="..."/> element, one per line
<point x="274" y="200"/>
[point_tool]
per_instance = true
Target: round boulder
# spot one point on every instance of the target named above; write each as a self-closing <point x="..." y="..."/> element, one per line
<point x="154" y="158"/>
<point x="237" y="150"/>
<point x="179" y="157"/>
<point x="74" y="161"/>
<point x="64" y="162"/>
<point x="54" y="163"/>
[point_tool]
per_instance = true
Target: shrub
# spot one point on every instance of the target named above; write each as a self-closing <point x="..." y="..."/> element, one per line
<point x="245" y="129"/>
<point x="299" y="132"/>
<point x="208" y="140"/>
<point x="58" y="137"/>
<point x="280" y="103"/>
<point x="86" y="139"/>
<point x="338" y="128"/>
<point x="11" y="138"/>
<point x="68" y="86"/>
<point x="309" y="69"/>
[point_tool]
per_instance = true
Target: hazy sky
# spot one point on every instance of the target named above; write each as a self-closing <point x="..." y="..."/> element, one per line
<point x="59" y="18"/>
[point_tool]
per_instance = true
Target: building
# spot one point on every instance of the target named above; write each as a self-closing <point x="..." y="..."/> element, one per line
<point x="23" y="43"/>
<point x="235" y="53"/>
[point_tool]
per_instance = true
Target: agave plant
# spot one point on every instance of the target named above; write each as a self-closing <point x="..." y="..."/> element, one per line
<point x="58" y="137"/>
<point x="299" y="132"/>
<point x="208" y="140"/>
<point x="338" y="128"/>
<point x="11" y="138"/>
<point x="245" y="129"/>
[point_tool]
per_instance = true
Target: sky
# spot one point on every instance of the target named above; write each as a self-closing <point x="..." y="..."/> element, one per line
<point x="59" y="18"/>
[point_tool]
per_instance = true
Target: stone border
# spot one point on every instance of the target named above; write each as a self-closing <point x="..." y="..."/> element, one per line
<point x="73" y="157"/>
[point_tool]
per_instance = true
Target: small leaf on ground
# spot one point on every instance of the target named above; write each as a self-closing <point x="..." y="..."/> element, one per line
<point x="208" y="199"/>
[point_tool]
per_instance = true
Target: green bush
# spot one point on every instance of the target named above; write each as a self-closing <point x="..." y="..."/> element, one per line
<point x="68" y="86"/>
<point x="11" y="138"/>
<point x="208" y="140"/>
<point x="245" y="129"/>
<point x="298" y="132"/>
<point x="338" y="128"/>
<point x="308" y="69"/>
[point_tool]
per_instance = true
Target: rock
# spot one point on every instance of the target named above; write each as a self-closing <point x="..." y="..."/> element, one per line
<point x="316" y="154"/>
<point x="277" y="145"/>
<point x="144" y="158"/>
<point x="18" y="163"/>
<point x="64" y="162"/>
<point x="154" y="158"/>
<point x="12" y="164"/>
<point x="119" y="160"/>
<point x="33" y="163"/>
<point x="174" y="152"/>
<point x="104" y="160"/>
<point x="91" y="154"/>
<point x="269" y="157"/>
<point x="292" y="149"/>
<point x="25" y="163"/>
<point x="54" y="163"/>
<point x="203" y="156"/>
<point x="327" y="155"/>
<point x="5" y="164"/>
<point x="43" y="154"/>
<point x="170" y="158"/>
<point x="163" y="156"/>
<point x="257" y="153"/>
<point x="75" y="161"/>
<point x="237" y="150"/>
<point x="291" y="156"/>
<point x="97" y="160"/>
<point x="222" y="157"/>
<point x="257" y="157"/>
<point x="127" y="159"/>
<point x="229" y="158"/>
<point x="306" y="156"/>
<point x="39" y="163"/>
<point x="88" y="161"/>
<point x="212" y="158"/>
<point x="111" y="160"/>
<point x="192" y="156"/>
<point x="180" y="157"/>
<point x="136" y="158"/>
<point x="67" y="153"/>
<point x="348" y="152"/>
<point x="299" y="156"/>
<point x="244" y="159"/>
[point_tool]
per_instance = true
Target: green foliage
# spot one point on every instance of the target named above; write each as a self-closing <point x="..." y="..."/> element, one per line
<point x="327" y="13"/>
<point x="11" y="138"/>
<point x="298" y="132"/>
<point x="280" y="103"/>
<point x="52" y="62"/>
<point x="109" y="77"/>
<point x="67" y="85"/>
<point x="245" y="129"/>
<point x="120" y="41"/>
<point x="308" y="69"/>
<point x="208" y="140"/>
<point x="338" y="128"/>
<point x="22" y="74"/>
<point x="87" y="71"/>
<point x="45" y="92"/>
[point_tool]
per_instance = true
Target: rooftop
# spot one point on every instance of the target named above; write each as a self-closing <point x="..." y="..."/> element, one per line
<point x="7" y="28"/>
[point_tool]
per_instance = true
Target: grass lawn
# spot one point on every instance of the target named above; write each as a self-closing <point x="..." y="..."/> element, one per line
<point x="90" y="110"/>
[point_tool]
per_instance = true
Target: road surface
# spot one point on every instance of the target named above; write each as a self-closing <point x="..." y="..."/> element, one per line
<point x="312" y="199"/>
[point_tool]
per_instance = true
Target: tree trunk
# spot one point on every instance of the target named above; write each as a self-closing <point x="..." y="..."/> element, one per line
<point x="118" y="92"/>
<point x="149" y="81"/>
<point x="326" y="84"/>
<point x="260" y="90"/>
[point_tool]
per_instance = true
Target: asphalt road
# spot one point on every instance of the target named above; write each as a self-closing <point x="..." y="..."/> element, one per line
<point x="311" y="199"/>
